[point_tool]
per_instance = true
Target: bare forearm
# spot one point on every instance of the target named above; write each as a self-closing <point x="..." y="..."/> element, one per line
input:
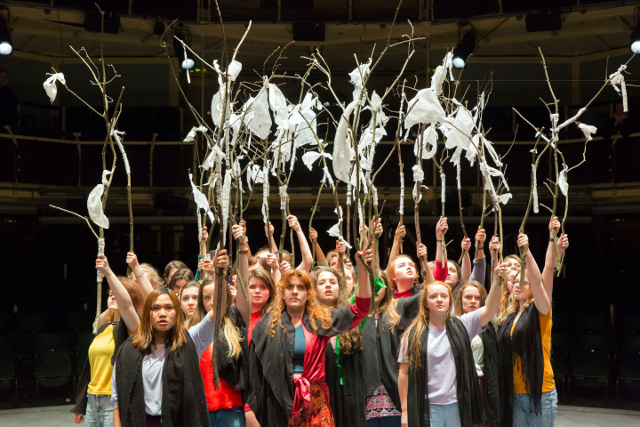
<point x="395" y="251"/>
<point x="307" y="257"/>
<point x="364" y="290"/>
<point x="403" y="386"/>
<point x="466" y="266"/>
<point x="320" y="257"/>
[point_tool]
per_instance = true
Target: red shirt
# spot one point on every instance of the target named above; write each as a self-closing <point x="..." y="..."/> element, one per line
<point x="405" y="294"/>
<point x="225" y="397"/>
<point x="252" y="323"/>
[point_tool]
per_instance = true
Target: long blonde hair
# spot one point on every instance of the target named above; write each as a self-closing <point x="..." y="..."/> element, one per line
<point x="513" y="305"/>
<point x="228" y="331"/>
<point x="350" y="340"/>
<point x="314" y="309"/>
<point x="420" y="323"/>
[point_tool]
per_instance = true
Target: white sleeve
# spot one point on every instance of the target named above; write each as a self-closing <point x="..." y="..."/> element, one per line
<point x="202" y="334"/>
<point x="114" y="391"/>
<point x="403" y="354"/>
<point x="473" y="324"/>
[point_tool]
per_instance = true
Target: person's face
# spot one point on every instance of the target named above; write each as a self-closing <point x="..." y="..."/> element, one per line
<point x="452" y="275"/>
<point x="521" y="296"/>
<point x="512" y="263"/>
<point x="286" y="257"/>
<point x="207" y="296"/>
<point x="438" y="299"/>
<point x="177" y="287"/>
<point x="380" y="296"/>
<point x="163" y="314"/>
<point x="295" y="294"/>
<point x="510" y="280"/>
<point x="171" y="273"/>
<point x="328" y="288"/>
<point x="470" y="299"/>
<point x="258" y="293"/>
<point x="189" y="301"/>
<point x="4" y="78"/>
<point x="333" y="263"/>
<point x="111" y="301"/>
<point x="350" y="280"/>
<point x="403" y="270"/>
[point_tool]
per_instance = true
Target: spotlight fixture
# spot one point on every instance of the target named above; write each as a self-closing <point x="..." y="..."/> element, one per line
<point x="635" y="40"/>
<point x="182" y="33"/>
<point x="465" y="48"/>
<point x="6" y="45"/>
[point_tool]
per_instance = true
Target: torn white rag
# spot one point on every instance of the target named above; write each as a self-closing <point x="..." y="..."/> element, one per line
<point x="258" y="117"/>
<point x="117" y="135"/>
<point x="341" y="146"/>
<point x="429" y="142"/>
<point x="225" y="204"/>
<point x="100" y="252"/>
<point x="536" y="206"/>
<point x="265" y="192"/>
<point x="358" y="76"/>
<point x="310" y="157"/>
<point x="200" y="199"/>
<point x="562" y="180"/>
<point x="50" y="85"/>
<point x="192" y="133"/>
<point x="424" y="108"/>
<point x="282" y="190"/>
<point x="617" y="78"/>
<point x="278" y="105"/>
<point x="401" y="208"/>
<point x="588" y="130"/>
<point x="94" y="202"/>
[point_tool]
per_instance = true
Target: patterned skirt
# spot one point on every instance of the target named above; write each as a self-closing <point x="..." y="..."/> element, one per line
<point x="316" y="415"/>
<point x="379" y="404"/>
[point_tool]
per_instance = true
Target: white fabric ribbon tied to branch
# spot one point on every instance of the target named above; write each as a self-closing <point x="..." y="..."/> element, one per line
<point x="200" y="199"/>
<point x="100" y="252"/>
<point x="302" y="121"/>
<point x="50" y="85"/>
<point x="562" y="180"/>
<point x="326" y="177"/>
<point x="588" y="130"/>
<point x="192" y="133"/>
<point x="282" y="190"/>
<point x="94" y="202"/>
<point x="617" y="79"/>
<point x="117" y="135"/>
<point x="310" y="157"/>
<point x="536" y="205"/>
<point x="214" y="156"/>
<point x="429" y="140"/>
<point x="341" y="146"/>
<point x="265" y="192"/>
<point x="357" y="78"/>
<point x="424" y="108"/>
<point x="225" y="204"/>
<point x="401" y="208"/>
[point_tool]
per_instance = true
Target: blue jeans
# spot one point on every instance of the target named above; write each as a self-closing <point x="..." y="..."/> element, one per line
<point x="384" y="422"/>
<point x="523" y="417"/>
<point x="445" y="415"/>
<point x="233" y="417"/>
<point x="99" y="411"/>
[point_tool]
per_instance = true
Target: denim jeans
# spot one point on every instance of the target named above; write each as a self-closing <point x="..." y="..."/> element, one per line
<point x="383" y="422"/>
<point x="445" y="415"/>
<point x="233" y="417"/>
<point x="523" y="417"/>
<point x="99" y="411"/>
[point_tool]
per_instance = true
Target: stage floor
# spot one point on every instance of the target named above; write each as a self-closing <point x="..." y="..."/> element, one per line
<point x="568" y="416"/>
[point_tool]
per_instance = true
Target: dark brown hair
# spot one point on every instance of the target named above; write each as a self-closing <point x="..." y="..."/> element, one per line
<point x="144" y="339"/>
<point x="173" y="265"/>
<point x="182" y="274"/>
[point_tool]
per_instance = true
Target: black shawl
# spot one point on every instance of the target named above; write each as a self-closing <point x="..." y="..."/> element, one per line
<point x="183" y="400"/>
<point x="407" y="309"/>
<point x="526" y="343"/>
<point x="271" y="359"/>
<point x="120" y="335"/>
<point x="468" y="388"/>
<point x="234" y="372"/>
<point x="379" y="359"/>
<point x="494" y="392"/>
<point x="348" y="401"/>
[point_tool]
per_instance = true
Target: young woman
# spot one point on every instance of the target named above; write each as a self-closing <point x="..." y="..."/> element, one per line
<point x="261" y="290"/>
<point x="437" y="379"/>
<point x="293" y="335"/>
<point x="189" y="299"/>
<point x="403" y="273"/>
<point x="179" y="279"/>
<point x="157" y="370"/>
<point x="525" y="341"/>
<point x="94" y="385"/>
<point x="343" y="359"/>
<point x="479" y="263"/>
<point x="171" y="268"/>
<point x="486" y="353"/>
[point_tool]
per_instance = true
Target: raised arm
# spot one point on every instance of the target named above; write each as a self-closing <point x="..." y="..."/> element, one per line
<point x="221" y="260"/>
<point x="542" y="299"/>
<point x="439" y="272"/>
<point x="479" y="263"/>
<point x="492" y="303"/>
<point x="494" y="247"/>
<point x="272" y="262"/>
<point x="141" y="277"/>
<point x="422" y="256"/>
<point x="125" y="305"/>
<point x="273" y="248"/>
<point x="364" y="290"/>
<point x="397" y="240"/>
<point x="313" y="237"/>
<point x="466" y="260"/>
<point x="307" y="258"/>
<point x="550" y="258"/>
<point x="243" y="305"/>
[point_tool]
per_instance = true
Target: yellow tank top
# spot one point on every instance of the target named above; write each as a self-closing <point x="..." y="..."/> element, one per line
<point x="100" y="353"/>
<point x="548" y="383"/>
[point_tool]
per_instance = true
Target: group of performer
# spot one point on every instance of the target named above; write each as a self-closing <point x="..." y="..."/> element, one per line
<point x="309" y="347"/>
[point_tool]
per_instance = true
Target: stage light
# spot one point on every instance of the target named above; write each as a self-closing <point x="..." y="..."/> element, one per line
<point x="635" y="40"/>
<point x="6" y="45"/>
<point x="465" y="48"/>
<point x="188" y="64"/>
